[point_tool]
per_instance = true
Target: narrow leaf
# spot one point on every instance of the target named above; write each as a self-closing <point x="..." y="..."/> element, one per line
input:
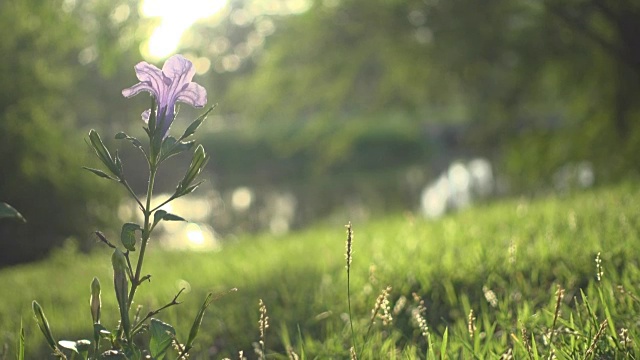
<point x="195" y="327"/>
<point x="163" y="215"/>
<point x="43" y="324"/>
<point x="135" y="142"/>
<point x="157" y="216"/>
<point x="21" y="342"/>
<point x="100" y="173"/>
<point x="198" y="162"/>
<point x="182" y="192"/>
<point x="7" y="211"/>
<point x="196" y="124"/>
<point x="121" y="286"/>
<point x="534" y="348"/>
<point x="118" y="163"/>
<point x="192" y="128"/>
<point x="102" y="152"/>
<point x="443" y="345"/>
<point x="172" y="217"/>
<point x="171" y="147"/>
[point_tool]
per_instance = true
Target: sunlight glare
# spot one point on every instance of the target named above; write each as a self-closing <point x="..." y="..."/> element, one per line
<point x="195" y="235"/>
<point x="174" y="21"/>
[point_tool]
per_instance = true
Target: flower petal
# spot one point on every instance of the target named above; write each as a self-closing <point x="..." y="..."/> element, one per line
<point x="151" y="80"/>
<point x="138" y="88"/>
<point x="149" y="72"/>
<point x="177" y="67"/>
<point x="193" y="94"/>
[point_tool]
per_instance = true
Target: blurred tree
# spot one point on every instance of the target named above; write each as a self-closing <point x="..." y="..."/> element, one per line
<point x="326" y="73"/>
<point x="42" y="49"/>
<point x="607" y="32"/>
<point x="563" y="74"/>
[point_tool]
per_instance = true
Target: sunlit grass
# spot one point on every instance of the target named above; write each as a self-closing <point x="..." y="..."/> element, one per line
<point x="517" y="251"/>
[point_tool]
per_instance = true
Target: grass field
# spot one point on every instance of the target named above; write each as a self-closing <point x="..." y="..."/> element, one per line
<point x="526" y="268"/>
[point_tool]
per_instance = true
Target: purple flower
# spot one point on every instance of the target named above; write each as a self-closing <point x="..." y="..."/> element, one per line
<point x="169" y="85"/>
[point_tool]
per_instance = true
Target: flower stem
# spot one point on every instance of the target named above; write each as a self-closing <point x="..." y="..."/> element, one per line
<point x="146" y="232"/>
<point x="353" y="334"/>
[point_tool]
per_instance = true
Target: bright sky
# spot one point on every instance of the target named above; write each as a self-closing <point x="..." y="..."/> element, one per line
<point x="175" y="18"/>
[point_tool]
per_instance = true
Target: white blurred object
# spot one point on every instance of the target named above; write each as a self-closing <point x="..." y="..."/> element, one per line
<point x="280" y="210"/>
<point x="241" y="199"/>
<point x="482" y="182"/>
<point x="574" y="175"/>
<point x="457" y="187"/>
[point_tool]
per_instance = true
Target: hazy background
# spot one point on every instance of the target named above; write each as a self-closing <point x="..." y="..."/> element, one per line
<point x="326" y="109"/>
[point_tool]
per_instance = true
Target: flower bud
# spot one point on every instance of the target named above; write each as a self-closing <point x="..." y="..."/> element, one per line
<point x="121" y="286"/>
<point x="43" y="324"/>
<point x="119" y="262"/>
<point x="95" y="300"/>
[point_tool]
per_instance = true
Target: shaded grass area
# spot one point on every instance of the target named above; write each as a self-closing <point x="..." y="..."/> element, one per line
<point x="518" y="251"/>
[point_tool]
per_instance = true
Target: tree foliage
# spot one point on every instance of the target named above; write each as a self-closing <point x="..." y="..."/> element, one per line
<point x="562" y="74"/>
<point x="42" y="108"/>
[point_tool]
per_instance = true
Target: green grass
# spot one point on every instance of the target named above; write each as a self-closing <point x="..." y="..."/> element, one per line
<point x="519" y="250"/>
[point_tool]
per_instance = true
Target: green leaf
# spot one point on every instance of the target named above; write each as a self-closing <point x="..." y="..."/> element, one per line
<point x="443" y="345"/>
<point x="195" y="327"/>
<point x="196" y="124"/>
<point x="118" y="163"/>
<point x="128" y="235"/>
<point x="7" y="211"/>
<point x="21" y="342"/>
<point x="43" y="324"/>
<point x="163" y="215"/>
<point x="192" y="128"/>
<point x="198" y="163"/>
<point x="157" y="216"/>
<point x="172" y="217"/>
<point x="161" y="336"/>
<point x="132" y="352"/>
<point x="100" y="173"/>
<point x="121" y="286"/>
<point x="431" y="353"/>
<point x="171" y="147"/>
<point x="182" y="192"/>
<point x="102" y="152"/>
<point x="135" y="142"/>
<point x="534" y="348"/>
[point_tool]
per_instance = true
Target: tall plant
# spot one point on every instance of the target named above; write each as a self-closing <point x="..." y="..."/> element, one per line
<point x="168" y="85"/>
